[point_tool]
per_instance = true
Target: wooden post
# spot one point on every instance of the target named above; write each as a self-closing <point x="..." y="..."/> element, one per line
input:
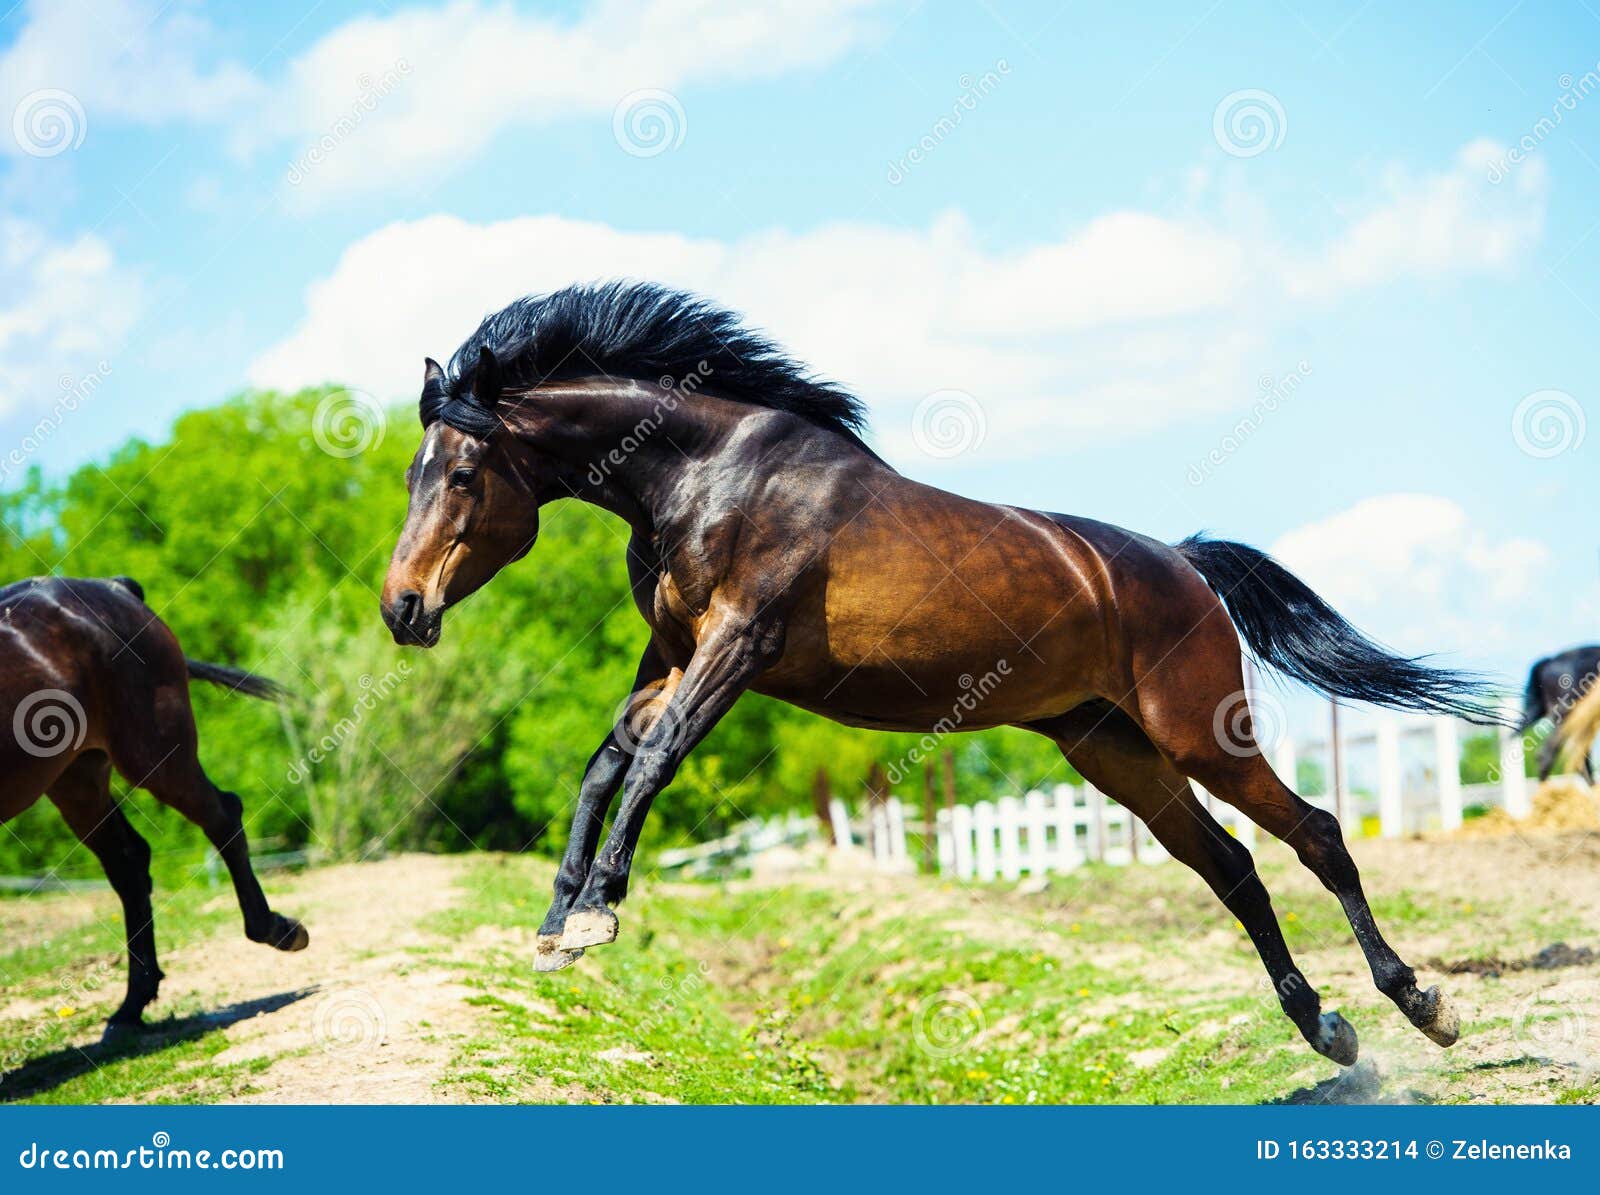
<point x="1513" y="774"/>
<point x="877" y="794"/>
<point x="1391" y="807"/>
<point x="930" y="861"/>
<point x="1447" y="754"/>
<point x="821" y="800"/>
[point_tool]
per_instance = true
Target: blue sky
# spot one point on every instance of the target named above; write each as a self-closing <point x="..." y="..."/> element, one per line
<point x="1058" y="248"/>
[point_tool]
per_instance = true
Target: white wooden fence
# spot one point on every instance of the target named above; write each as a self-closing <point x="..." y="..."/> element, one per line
<point x="1410" y="782"/>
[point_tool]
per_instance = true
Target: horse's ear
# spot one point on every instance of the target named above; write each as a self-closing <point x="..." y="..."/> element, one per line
<point x="487" y="381"/>
<point x="432" y="373"/>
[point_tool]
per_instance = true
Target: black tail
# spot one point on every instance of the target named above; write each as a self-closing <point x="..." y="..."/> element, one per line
<point x="1532" y="701"/>
<point x="236" y="679"/>
<point x="1289" y="627"/>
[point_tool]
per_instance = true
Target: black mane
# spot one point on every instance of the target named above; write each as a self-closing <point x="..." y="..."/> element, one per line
<point x="644" y="332"/>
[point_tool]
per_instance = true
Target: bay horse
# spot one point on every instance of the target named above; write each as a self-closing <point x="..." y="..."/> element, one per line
<point x="772" y="550"/>
<point x="1555" y="685"/>
<point x="92" y="680"/>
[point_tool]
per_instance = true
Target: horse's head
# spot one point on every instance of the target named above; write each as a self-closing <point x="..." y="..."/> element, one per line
<point x="470" y="511"/>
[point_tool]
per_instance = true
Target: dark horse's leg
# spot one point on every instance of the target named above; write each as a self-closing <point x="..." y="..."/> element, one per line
<point x="731" y="654"/>
<point x="164" y="764"/>
<point x="1186" y="705"/>
<point x="1550" y="749"/>
<point x="601" y="780"/>
<point x="1113" y="754"/>
<point x="83" y="795"/>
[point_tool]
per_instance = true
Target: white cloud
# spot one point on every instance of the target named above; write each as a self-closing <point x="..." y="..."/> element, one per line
<point x="461" y="73"/>
<point x="122" y="60"/>
<point x="890" y="312"/>
<point x="1414" y="570"/>
<point x="67" y="306"/>
<point x="1445" y="223"/>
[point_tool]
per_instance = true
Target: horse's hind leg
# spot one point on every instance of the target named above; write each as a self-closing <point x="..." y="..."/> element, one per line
<point x="83" y="795"/>
<point x="1112" y="753"/>
<point x="165" y="765"/>
<point x="1189" y="718"/>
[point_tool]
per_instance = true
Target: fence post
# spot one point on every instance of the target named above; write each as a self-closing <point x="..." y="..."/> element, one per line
<point x="1097" y="822"/>
<point x="1010" y="818"/>
<point x="1284" y="762"/>
<point x="944" y="832"/>
<point x="1447" y="753"/>
<point x="1038" y="859"/>
<point x="1514" y="773"/>
<point x="1336" y="760"/>
<point x="1066" y="811"/>
<point x="839" y="822"/>
<point x="897" y="831"/>
<point x="961" y="834"/>
<point x="1391" y="797"/>
<point x="983" y="831"/>
<point x="930" y="823"/>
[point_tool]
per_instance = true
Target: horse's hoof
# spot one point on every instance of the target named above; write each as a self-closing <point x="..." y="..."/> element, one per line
<point x="1336" y="1039"/>
<point x="291" y="935"/>
<point x="588" y="927"/>
<point x="1440" y="1020"/>
<point x="548" y="955"/>
<point x="118" y="1033"/>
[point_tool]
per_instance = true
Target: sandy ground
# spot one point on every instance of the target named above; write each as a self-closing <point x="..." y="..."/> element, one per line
<point x="361" y="1017"/>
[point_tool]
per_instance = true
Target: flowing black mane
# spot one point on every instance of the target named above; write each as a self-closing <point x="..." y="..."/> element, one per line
<point x="644" y="332"/>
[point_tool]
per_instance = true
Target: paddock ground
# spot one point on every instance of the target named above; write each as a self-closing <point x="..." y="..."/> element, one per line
<point x="1108" y="985"/>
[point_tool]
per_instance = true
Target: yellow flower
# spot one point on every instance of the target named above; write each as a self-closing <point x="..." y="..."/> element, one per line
<point x="66" y="1010"/>
<point x="784" y="943"/>
<point x="807" y="998"/>
<point x="749" y="1056"/>
<point x="1076" y="927"/>
<point x="1290" y="917"/>
<point x="979" y="1076"/>
<point x="1083" y="991"/>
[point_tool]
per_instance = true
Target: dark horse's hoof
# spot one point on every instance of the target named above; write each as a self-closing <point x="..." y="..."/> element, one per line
<point x="288" y="934"/>
<point x="588" y="927"/>
<point x="1439" y="1019"/>
<point x="548" y="955"/>
<point x="120" y="1033"/>
<point x="1336" y="1039"/>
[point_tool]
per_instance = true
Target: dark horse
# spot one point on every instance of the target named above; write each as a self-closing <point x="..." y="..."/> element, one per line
<point x="773" y="551"/>
<point x="93" y="680"/>
<point x="1555" y="685"/>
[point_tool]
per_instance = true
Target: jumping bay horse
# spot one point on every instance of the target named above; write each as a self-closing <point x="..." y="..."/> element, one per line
<point x="1555" y="685"/>
<point x="773" y="551"/>
<point x="91" y="679"/>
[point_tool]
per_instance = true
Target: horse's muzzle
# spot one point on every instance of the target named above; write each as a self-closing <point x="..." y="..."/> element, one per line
<point x="410" y="622"/>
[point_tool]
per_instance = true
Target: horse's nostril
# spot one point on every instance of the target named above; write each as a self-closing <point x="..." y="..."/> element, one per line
<point x="407" y="606"/>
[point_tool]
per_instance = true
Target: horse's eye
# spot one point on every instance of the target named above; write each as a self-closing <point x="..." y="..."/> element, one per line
<point x="462" y="478"/>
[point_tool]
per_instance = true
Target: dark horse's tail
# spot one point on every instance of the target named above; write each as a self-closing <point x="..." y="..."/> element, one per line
<point x="1289" y="627"/>
<point x="1532" y="700"/>
<point x="237" y="680"/>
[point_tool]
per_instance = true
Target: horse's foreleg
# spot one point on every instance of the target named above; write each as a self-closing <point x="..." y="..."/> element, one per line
<point x="83" y="795"/>
<point x="725" y="662"/>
